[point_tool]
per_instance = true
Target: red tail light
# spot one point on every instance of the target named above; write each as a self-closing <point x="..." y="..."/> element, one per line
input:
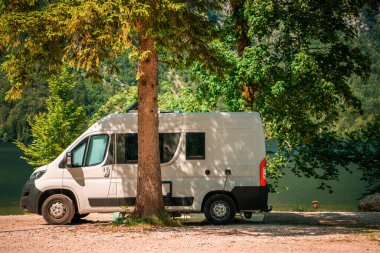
<point x="263" y="173"/>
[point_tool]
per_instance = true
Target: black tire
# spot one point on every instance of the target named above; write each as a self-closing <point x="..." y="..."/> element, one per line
<point x="58" y="209"/>
<point x="247" y="215"/>
<point x="220" y="209"/>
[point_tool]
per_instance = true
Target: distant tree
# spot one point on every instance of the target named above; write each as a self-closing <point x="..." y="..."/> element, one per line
<point x="38" y="36"/>
<point x="367" y="90"/>
<point x="54" y="130"/>
<point x="14" y="114"/>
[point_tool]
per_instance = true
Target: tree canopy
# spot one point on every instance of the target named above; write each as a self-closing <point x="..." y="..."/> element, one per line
<point x="292" y="64"/>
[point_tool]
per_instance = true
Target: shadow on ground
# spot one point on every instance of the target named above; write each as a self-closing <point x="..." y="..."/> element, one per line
<point x="275" y="224"/>
<point x="298" y="224"/>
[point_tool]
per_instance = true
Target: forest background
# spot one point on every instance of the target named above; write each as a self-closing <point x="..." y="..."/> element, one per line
<point x="350" y="136"/>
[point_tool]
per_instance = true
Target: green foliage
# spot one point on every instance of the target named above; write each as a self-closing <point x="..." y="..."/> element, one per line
<point x="364" y="148"/>
<point x="37" y="37"/>
<point x="367" y="90"/>
<point x="54" y="130"/>
<point x="169" y="98"/>
<point x="116" y="104"/>
<point x="90" y="93"/>
<point x="293" y="60"/>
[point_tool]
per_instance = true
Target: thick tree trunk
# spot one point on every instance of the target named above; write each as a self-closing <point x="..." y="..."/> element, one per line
<point x="149" y="201"/>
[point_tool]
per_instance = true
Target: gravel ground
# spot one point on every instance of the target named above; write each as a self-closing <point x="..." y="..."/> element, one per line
<point x="278" y="232"/>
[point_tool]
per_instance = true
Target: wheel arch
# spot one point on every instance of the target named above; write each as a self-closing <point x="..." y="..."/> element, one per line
<point x="50" y="192"/>
<point x="209" y="194"/>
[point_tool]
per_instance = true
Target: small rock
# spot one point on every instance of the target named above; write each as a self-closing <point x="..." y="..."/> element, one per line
<point x="370" y="203"/>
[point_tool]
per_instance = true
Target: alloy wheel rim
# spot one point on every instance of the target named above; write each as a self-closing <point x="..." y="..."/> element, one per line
<point x="220" y="210"/>
<point x="57" y="210"/>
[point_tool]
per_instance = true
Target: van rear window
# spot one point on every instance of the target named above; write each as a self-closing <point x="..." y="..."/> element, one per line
<point x="195" y="146"/>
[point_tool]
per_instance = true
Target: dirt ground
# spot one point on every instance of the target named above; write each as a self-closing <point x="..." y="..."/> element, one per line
<point x="278" y="232"/>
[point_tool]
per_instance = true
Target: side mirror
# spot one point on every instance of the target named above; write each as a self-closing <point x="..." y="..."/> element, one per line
<point x="68" y="160"/>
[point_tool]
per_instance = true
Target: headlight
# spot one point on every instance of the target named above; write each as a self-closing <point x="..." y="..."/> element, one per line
<point x="37" y="174"/>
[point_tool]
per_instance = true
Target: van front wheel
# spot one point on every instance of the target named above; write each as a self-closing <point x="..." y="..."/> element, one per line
<point x="220" y="209"/>
<point x="58" y="209"/>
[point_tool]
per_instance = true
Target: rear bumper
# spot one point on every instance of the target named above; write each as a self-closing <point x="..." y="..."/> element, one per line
<point x="251" y="198"/>
<point x="29" y="198"/>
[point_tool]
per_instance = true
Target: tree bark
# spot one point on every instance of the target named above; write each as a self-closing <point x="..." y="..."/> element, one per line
<point x="149" y="199"/>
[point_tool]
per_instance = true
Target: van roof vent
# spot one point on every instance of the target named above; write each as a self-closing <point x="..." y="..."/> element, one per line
<point x="133" y="108"/>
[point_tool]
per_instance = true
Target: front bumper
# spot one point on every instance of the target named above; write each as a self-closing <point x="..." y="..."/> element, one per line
<point x="29" y="197"/>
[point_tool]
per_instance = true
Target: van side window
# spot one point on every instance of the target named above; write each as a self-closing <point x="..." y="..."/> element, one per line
<point x="96" y="149"/>
<point x="127" y="150"/>
<point x="168" y="143"/>
<point x="78" y="153"/>
<point x="195" y="146"/>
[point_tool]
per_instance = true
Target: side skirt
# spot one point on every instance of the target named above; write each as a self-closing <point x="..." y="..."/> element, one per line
<point x="109" y="202"/>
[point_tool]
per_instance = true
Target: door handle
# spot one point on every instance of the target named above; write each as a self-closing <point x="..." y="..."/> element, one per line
<point x="106" y="171"/>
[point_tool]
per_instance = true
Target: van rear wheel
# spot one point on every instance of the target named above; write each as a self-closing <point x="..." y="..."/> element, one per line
<point x="58" y="209"/>
<point x="220" y="209"/>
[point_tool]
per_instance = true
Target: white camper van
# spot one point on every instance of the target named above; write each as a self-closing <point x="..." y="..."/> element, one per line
<point x="210" y="162"/>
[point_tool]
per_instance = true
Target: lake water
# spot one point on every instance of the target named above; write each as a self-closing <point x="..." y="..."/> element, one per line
<point x="14" y="172"/>
<point x="299" y="196"/>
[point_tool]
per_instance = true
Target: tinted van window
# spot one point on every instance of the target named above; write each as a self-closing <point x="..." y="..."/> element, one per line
<point x="168" y="145"/>
<point x="195" y="146"/>
<point x="127" y="150"/>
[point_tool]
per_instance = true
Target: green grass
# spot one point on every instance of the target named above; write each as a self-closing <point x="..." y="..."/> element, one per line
<point x="10" y="209"/>
<point x="164" y="219"/>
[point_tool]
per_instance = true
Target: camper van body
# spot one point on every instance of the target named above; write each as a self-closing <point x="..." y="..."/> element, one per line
<point x="203" y="156"/>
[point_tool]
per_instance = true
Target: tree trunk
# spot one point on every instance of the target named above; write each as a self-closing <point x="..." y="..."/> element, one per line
<point x="149" y="200"/>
